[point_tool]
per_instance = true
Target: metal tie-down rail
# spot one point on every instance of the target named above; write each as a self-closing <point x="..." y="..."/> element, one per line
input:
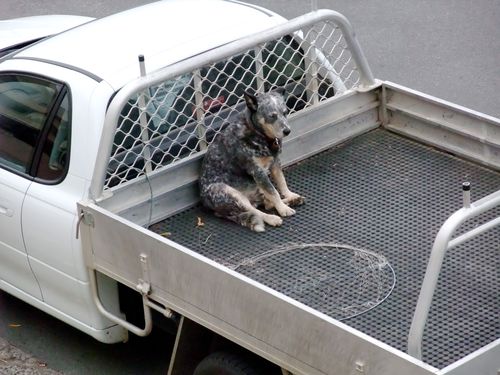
<point x="442" y="243"/>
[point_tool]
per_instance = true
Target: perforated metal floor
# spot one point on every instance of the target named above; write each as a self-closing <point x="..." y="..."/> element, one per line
<point x="388" y="195"/>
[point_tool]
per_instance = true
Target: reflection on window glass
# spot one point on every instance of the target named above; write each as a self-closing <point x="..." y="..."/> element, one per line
<point x="25" y="103"/>
<point x="54" y="156"/>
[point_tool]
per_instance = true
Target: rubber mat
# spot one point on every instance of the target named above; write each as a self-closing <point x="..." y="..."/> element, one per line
<point x="385" y="195"/>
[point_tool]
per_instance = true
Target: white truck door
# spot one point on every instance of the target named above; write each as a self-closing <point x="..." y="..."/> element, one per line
<point x="46" y="163"/>
<point x="54" y="252"/>
<point x="14" y="265"/>
<point x="23" y="110"/>
<point x="61" y="176"/>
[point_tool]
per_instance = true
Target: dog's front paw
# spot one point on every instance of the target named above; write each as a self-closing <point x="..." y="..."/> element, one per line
<point x="284" y="210"/>
<point x="294" y="199"/>
<point x="273" y="220"/>
<point x="258" y="227"/>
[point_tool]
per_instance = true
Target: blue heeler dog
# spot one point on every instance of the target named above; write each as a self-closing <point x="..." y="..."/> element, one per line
<point x="242" y="163"/>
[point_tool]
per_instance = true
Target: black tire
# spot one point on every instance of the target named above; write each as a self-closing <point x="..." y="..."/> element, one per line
<point x="223" y="363"/>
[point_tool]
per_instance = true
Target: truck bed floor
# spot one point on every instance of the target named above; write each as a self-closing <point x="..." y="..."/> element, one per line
<point x="388" y="195"/>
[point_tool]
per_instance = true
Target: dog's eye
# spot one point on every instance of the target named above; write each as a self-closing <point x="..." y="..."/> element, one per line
<point x="273" y="116"/>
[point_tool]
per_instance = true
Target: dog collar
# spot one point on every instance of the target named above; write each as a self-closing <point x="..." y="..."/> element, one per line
<point x="274" y="144"/>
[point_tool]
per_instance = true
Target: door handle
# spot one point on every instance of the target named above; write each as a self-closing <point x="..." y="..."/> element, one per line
<point x="6" y="211"/>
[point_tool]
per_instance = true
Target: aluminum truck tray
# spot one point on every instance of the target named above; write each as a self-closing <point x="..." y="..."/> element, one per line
<point x="357" y="250"/>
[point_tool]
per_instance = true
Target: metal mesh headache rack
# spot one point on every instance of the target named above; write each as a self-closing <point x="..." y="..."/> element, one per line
<point x="179" y="114"/>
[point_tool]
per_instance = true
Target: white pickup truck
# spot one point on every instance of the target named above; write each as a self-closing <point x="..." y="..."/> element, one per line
<point x="102" y="129"/>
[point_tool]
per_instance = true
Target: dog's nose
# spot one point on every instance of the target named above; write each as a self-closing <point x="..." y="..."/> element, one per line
<point x="286" y="131"/>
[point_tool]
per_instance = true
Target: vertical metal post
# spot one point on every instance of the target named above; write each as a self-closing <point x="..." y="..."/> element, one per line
<point x="142" y="65"/>
<point x="466" y="194"/>
<point x="314" y="5"/>
<point x="259" y="67"/>
<point x="143" y="120"/>
<point x="312" y="81"/>
<point x="200" y="112"/>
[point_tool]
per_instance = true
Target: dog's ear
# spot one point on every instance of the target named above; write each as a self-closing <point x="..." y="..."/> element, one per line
<point x="251" y="101"/>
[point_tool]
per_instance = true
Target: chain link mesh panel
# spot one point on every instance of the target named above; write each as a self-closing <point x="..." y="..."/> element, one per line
<point x="181" y="116"/>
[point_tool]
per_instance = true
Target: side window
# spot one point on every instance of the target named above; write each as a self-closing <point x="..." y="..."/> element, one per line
<point x="34" y="126"/>
<point x="54" y="151"/>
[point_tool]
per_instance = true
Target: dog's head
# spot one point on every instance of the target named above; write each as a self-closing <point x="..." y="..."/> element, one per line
<point x="268" y="113"/>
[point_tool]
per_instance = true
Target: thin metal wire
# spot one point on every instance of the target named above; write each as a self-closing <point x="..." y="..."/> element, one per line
<point x="363" y="270"/>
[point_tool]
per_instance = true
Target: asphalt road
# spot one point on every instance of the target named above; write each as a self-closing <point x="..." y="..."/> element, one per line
<point x="446" y="48"/>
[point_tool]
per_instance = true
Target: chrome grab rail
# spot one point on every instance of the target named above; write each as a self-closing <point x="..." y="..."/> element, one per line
<point x="442" y="243"/>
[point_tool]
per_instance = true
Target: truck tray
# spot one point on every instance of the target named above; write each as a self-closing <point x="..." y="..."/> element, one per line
<point x="384" y="196"/>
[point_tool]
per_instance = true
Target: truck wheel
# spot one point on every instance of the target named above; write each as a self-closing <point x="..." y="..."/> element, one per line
<point x="222" y="363"/>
